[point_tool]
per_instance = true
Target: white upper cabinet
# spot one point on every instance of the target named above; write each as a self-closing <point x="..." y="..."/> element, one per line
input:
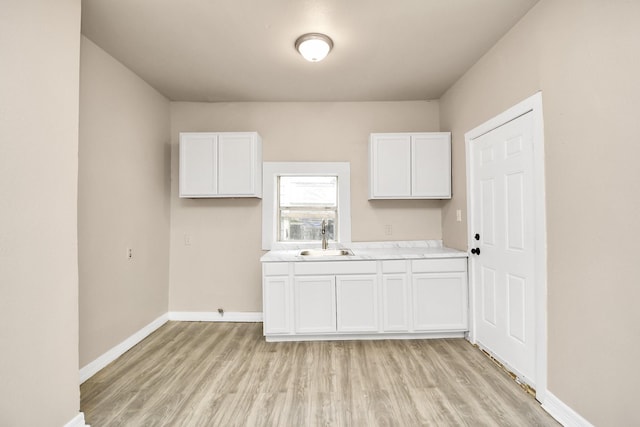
<point x="220" y="164"/>
<point x="390" y="165"/>
<point x="410" y="165"/>
<point x="431" y="165"/>
<point x="198" y="160"/>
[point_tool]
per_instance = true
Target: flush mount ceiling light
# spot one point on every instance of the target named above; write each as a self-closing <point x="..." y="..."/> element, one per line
<point x="314" y="46"/>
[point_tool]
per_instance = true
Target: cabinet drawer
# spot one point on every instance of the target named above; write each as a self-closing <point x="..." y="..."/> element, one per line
<point x="276" y="268"/>
<point x="337" y="267"/>
<point x="438" y="265"/>
<point x="395" y="266"/>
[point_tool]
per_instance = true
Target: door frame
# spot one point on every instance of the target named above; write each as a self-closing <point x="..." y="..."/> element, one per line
<point x="532" y="105"/>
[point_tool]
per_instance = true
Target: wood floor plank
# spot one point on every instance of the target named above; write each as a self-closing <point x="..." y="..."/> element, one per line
<point x="225" y="374"/>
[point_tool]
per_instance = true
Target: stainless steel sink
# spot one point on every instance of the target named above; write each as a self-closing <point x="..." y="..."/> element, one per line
<point x="326" y="252"/>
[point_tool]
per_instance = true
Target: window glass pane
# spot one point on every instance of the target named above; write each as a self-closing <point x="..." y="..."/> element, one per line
<point x="306" y="225"/>
<point x="304" y="201"/>
<point x="300" y="191"/>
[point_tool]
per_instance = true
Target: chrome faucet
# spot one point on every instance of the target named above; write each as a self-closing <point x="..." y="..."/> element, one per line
<point x="325" y="244"/>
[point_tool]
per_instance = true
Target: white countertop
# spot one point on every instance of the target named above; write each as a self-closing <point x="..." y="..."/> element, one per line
<point x="414" y="249"/>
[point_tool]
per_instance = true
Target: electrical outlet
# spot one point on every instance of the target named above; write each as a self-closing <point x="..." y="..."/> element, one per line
<point x="129" y="253"/>
<point x="388" y="230"/>
<point x="187" y="239"/>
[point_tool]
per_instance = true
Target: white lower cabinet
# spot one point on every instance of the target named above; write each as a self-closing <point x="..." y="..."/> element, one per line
<point x="356" y="298"/>
<point x="439" y="294"/>
<point x="335" y="303"/>
<point x="420" y="298"/>
<point x="395" y="296"/>
<point x="276" y="298"/>
<point x="276" y="305"/>
<point x="395" y="302"/>
<point x="439" y="301"/>
<point x="315" y="304"/>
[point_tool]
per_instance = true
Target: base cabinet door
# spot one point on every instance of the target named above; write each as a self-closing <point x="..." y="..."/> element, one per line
<point x="440" y="301"/>
<point x="315" y="304"/>
<point x="276" y="305"/>
<point x="357" y="303"/>
<point x="395" y="298"/>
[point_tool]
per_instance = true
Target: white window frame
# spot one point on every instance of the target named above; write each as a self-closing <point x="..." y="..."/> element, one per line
<point x="270" y="173"/>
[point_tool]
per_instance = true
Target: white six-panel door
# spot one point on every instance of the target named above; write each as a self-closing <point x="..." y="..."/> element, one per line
<point x="503" y="229"/>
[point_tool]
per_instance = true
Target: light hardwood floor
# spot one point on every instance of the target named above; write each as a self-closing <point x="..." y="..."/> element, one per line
<point x="225" y="374"/>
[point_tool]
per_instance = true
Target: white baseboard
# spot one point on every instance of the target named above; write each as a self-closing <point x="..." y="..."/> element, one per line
<point x="214" y="316"/>
<point x="563" y="413"/>
<point x="77" y="421"/>
<point x="90" y="370"/>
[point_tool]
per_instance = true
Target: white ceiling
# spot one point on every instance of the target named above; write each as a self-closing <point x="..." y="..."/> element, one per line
<point x="243" y="50"/>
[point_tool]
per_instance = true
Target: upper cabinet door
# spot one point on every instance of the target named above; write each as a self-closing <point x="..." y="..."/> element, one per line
<point x="431" y="165"/>
<point x="198" y="157"/>
<point x="220" y="164"/>
<point x="410" y="165"/>
<point x="238" y="165"/>
<point x="389" y="166"/>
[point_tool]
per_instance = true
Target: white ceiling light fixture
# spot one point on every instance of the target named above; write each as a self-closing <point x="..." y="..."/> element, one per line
<point x="314" y="47"/>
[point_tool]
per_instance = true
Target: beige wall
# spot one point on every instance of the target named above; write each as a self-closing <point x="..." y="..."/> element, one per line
<point x="220" y="268"/>
<point x="123" y="202"/>
<point x="583" y="55"/>
<point x="40" y="48"/>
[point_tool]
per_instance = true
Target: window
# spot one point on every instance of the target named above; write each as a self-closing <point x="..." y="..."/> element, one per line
<point x="298" y="196"/>
<point x="303" y="203"/>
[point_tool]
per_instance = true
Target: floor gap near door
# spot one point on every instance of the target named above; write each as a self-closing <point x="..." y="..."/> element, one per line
<point x="523" y="385"/>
